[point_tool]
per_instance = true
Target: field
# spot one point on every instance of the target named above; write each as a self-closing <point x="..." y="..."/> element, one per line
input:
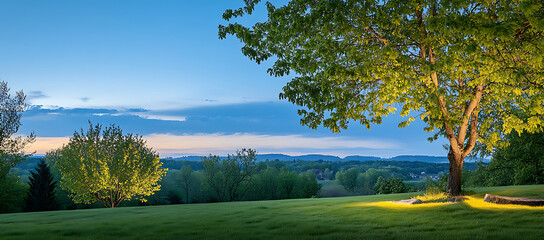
<point x="364" y="217"/>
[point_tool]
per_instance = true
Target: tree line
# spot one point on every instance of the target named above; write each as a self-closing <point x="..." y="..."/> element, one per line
<point x="105" y="166"/>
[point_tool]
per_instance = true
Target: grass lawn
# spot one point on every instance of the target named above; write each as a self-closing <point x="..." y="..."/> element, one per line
<point x="365" y="217"/>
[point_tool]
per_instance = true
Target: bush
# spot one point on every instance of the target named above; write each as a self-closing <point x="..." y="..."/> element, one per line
<point x="390" y="185"/>
<point x="12" y="194"/>
<point x="433" y="195"/>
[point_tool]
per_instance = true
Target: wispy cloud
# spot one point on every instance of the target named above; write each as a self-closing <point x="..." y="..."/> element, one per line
<point x="145" y="115"/>
<point x="161" y="117"/>
<point x="220" y="144"/>
<point x="45" y="144"/>
<point x="85" y="99"/>
<point x="203" y="144"/>
<point x="33" y="95"/>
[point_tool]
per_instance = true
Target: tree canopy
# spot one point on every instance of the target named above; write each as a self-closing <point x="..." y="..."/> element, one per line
<point x="229" y="176"/>
<point x="520" y="163"/>
<point x="473" y="70"/>
<point x="11" y="111"/>
<point x="107" y="166"/>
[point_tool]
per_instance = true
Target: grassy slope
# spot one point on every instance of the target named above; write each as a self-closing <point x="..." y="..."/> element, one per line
<point x="327" y="218"/>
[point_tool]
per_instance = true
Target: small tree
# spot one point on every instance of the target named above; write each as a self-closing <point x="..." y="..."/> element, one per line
<point x="187" y="179"/>
<point x="12" y="193"/>
<point x="107" y="166"/>
<point x="229" y="177"/>
<point x="390" y="185"/>
<point x="310" y="187"/>
<point x="348" y="179"/>
<point x="41" y="194"/>
<point x="270" y="183"/>
<point x="289" y="181"/>
<point x="11" y="148"/>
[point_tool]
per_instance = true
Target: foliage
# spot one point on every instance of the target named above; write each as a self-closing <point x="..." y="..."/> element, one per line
<point x="435" y="191"/>
<point x="228" y="177"/>
<point x="390" y="185"/>
<point x="433" y="195"/>
<point x="309" y="185"/>
<point x="107" y="166"/>
<point x="361" y="183"/>
<point x="522" y="160"/>
<point x="472" y="70"/>
<point x="174" y="198"/>
<point x="348" y="179"/>
<point x="187" y="180"/>
<point x="273" y="183"/>
<point x="12" y="194"/>
<point x="11" y="148"/>
<point x="267" y="185"/>
<point x="288" y="183"/>
<point x="436" y="186"/>
<point x="328" y="174"/>
<point x="368" y="180"/>
<point x="41" y="192"/>
<point x="401" y="169"/>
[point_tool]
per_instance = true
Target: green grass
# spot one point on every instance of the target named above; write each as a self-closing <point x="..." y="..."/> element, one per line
<point x="326" y="218"/>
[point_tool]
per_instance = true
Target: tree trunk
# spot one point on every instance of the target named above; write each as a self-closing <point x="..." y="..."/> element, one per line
<point x="455" y="174"/>
<point x="186" y="193"/>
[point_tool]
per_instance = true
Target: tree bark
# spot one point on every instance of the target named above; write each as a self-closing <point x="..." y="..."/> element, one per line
<point x="187" y="193"/>
<point x="454" y="177"/>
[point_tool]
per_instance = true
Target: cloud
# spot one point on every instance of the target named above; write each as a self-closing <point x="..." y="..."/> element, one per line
<point x="144" y="116"/>
<point x="85" y="99"/>
<point x="203" y="144"/>
<point x="270" y="127"/>
<point x="220" y="144"/>
<point x="161" y="117"/>
<point x="33" y="95"/>
<point x="45" y="144"/>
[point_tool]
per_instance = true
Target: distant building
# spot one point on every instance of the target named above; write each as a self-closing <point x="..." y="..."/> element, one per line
<point x="319" y="175"/>
<point x="423" y="176"/>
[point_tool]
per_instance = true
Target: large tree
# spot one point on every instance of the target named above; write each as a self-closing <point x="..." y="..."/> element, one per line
<point x="472" y="70"/>
<point x="107" y="166"/>
<point x="12" y="149"/>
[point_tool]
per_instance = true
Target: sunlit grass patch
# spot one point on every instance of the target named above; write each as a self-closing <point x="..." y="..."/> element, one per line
<point x="392" y="205"/>
<point x="480" y="204"/>
<point x="433" y="197"/>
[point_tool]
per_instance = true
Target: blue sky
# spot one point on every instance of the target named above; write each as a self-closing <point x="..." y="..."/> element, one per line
<point x="157" y="68"/>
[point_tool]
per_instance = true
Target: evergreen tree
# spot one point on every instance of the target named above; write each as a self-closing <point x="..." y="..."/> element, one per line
<point x="41" y="194"/>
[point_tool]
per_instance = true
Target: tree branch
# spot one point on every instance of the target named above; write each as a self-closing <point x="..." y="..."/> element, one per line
<point x="473" y="134"/>
<point x="469" y="109"/>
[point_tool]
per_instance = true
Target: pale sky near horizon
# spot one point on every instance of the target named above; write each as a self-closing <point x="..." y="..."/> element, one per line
<point x="157" y="68"/>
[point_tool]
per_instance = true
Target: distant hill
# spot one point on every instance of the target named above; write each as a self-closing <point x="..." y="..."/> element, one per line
<point x="317" y="157"/>
<point x="31" y="163"/>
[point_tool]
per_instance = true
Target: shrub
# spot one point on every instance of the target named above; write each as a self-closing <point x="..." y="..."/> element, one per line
<point x="390" y="185"/>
